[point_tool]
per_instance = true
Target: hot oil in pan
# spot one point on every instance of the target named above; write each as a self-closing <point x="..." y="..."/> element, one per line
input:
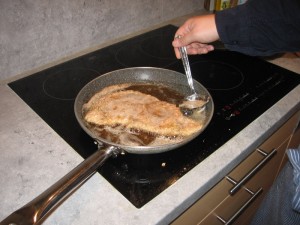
<point x="121" y="135"/>
<point x="161" y="92"/>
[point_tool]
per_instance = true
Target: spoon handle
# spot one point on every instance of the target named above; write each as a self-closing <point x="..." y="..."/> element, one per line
<point x="187" y="68"/>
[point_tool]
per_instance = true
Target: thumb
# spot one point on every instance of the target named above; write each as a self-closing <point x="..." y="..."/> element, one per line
<point x="182" y="40"/>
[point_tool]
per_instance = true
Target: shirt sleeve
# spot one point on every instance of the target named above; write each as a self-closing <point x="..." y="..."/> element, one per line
<point x="261" y="27"/>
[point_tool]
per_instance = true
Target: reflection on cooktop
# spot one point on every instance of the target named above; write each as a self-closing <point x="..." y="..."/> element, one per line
<point x="148" y="47"/>
<point x="70" y="79"/>
<point x="149" y="51"/>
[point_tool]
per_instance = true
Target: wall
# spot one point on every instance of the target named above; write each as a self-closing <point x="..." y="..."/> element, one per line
<point x="35" y="33"/>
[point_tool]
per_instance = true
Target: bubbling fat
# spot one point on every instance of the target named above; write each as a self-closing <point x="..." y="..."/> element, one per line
<point x="132" y="137"/>
<point x="104" y="118"/>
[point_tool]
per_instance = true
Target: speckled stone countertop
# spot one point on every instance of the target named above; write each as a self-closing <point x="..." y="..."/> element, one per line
<point x="33" y="157"/>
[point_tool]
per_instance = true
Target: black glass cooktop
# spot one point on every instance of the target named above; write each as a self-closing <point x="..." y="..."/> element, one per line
<point x="242" y="88"/>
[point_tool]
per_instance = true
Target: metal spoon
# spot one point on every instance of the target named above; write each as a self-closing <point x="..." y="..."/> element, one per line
<point x="193" y="102"/>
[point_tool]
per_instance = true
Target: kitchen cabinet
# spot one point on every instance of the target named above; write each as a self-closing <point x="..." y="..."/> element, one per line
<point x="295" y="140"/>
<point x="235" y="199"/>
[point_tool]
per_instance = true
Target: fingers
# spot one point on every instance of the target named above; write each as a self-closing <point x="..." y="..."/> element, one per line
<point x="180" y="41"/>
<point x="199" y="49"/>
<point x="176" y="44"/>
<point x="192" y="49"/>
<point x="177" y="53"/>
<point x="195" y="51"/>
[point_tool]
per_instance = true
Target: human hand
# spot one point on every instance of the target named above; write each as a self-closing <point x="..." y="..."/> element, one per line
<point x="196" y="34"/>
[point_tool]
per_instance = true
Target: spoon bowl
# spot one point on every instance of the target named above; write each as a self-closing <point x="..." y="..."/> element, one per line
<point x="193" y="104"/>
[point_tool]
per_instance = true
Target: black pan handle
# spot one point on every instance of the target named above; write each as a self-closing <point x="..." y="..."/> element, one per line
<point x="37" y="210"/>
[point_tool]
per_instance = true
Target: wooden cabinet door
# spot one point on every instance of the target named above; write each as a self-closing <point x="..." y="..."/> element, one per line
<point x="205" y="205"/>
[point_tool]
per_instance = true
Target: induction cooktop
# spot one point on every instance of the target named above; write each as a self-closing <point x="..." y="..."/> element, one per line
<point x="242" y="88"/>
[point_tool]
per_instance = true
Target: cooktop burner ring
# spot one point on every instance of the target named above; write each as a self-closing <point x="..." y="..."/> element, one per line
<point x="72" y="79"/>
<point x="216" y="75"/>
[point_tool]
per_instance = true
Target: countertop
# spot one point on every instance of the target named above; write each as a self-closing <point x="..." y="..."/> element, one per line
<point x="33" y="157"/>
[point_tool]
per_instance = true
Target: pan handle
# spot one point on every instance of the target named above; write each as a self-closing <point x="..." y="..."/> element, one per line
<point x="36" y="211"/>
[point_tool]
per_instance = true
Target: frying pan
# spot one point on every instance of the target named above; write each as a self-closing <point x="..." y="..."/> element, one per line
<point x="37" y="210"/>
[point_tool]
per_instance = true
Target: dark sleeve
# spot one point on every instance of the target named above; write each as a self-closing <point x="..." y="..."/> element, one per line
<point x="261" y="27"/>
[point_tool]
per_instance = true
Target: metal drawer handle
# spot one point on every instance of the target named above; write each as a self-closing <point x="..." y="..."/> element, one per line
<point x="236" y="215"/>
<point x="238" y="184"/>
